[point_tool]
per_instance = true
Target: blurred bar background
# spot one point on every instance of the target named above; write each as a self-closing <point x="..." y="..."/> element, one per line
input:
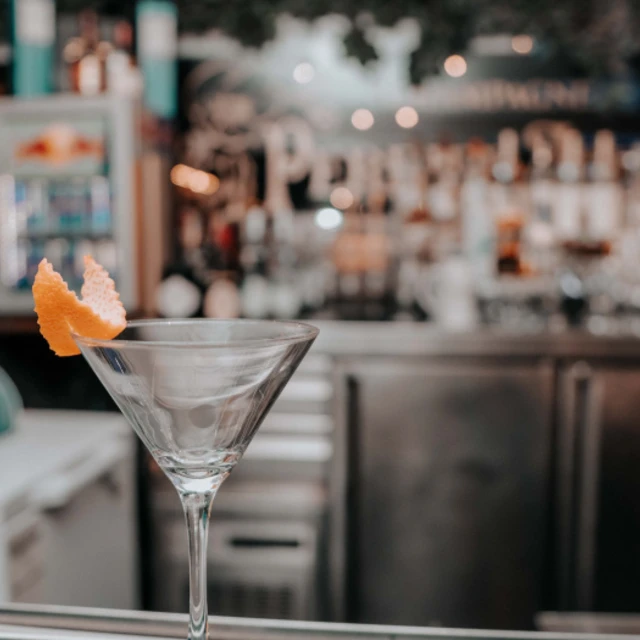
<point x="450" y="190"/>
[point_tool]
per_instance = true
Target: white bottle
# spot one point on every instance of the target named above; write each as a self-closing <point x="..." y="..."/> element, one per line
<point x="604" y="193"/>
<point x="539" y="233"/>
<point x="478" y="225"/>
<point x="568" y="201"/>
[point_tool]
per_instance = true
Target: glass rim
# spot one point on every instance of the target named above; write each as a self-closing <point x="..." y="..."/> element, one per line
<point x="305" y="332"/>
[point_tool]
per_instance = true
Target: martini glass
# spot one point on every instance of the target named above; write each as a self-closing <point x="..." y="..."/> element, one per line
<point x="195" y="392"/>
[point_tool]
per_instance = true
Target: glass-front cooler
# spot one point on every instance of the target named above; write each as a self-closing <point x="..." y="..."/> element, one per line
<point x="67" y="189"/>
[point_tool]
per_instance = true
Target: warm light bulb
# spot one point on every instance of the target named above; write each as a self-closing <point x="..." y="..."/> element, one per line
<point x="407" y="117"/>
<point x="522" y="44"/>
<point x="304" y="73"/>
<point x="195" y="180"/>
<point x="341" y="198"/>
<point x="180" y="175"/>
<point x="362" y="119"/>
<point x="455" y="66"/>
<point x="213" y="186"/>
<point x="198" y="181"/>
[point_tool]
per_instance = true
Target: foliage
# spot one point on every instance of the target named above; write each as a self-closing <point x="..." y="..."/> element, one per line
<point x="598" y="36"/>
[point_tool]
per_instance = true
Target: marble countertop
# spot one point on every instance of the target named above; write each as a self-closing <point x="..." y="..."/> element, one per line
<point x="49" y="442"/>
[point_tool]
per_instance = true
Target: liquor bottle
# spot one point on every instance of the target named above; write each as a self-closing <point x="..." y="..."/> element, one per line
<point x="255" y="284"/>
<point x="444" y="167"/>
<point x="629" y="243"/>
<point x="631" y="164"/>
<point x="222" y="297"/>
<point x="568" y="201"/>
<point x="477" y="224"/>
<point x="34" y="28"/>
<point x="86" y="56"/>
<point x="540" y="238"/>
<point x="157" y="48"/>
<point x="285" y="299"/>
<point x="604" y="193"/>
<point x="123" y="77"/>
<point x="507" y="202"/>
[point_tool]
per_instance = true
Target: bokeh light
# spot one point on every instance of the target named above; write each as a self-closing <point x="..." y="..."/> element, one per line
<point x="304" y="73"/>
<point x="455" y="66"/>
<point x="407" y="117"/>
<point x="362" y="119"/>
<point x="328" y="218"/>
<point x="522" y="44"/>
<point x="341" y="198"/>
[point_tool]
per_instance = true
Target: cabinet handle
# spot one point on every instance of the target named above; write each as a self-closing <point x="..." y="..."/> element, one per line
<point x="352" y="573"/>
<point x="343" y="489"/>
<point x="580" y="438"/>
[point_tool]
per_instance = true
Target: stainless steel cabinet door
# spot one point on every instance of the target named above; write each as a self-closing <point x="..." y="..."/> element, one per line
<point x="598" y="518"/>
<point x="447" y="473"/>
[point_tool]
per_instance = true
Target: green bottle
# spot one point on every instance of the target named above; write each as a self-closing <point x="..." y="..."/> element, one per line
<point x="34" y="28"/>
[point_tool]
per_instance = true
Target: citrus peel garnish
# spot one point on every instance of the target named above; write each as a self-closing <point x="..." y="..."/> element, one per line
<point x="99" y="314"/>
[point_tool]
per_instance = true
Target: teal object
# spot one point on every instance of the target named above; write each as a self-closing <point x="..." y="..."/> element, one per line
<point x="33" y="26"/>
<point x="157" y="38"/>
<point x="11" y="404"/>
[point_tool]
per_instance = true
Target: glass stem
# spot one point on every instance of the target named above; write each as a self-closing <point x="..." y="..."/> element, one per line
<point x="197" y="508"/>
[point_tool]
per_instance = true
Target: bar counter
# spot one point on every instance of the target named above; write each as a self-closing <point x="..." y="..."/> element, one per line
<point x="529" y="439"/>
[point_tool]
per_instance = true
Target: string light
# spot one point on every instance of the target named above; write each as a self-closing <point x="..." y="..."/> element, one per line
<point x="455" y="66"/>
<point x="407" y="117"/>
<point x="341" y="198"/>
<point x="362" y="119"/>
<point x="522" y="44"/>
<point x="194" y="180"/>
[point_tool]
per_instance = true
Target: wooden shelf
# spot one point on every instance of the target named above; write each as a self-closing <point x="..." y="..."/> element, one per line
<point x="18" y="324"/>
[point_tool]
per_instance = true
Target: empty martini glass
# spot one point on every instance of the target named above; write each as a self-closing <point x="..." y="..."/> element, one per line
<point x="195" y="392"/>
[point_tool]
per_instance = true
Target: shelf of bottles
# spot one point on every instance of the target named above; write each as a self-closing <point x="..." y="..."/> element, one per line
<point x="62" y="220"/>
<point x="65" y="192"/>
<point x="539" y="227"/>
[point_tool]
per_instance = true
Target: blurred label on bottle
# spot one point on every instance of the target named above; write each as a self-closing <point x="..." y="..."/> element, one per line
<point x="158" y="30"/>
<point x="567" y="214"/>
<point x="604" y="210"/>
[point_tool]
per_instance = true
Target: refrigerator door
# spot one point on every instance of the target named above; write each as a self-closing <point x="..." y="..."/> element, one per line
<point x="66" y="190"/>
<point x="598" y="528"/>
<point x="458" y="459"/>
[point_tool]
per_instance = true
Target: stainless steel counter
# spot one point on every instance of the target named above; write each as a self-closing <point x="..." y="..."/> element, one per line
<point x="59" y="623"/>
